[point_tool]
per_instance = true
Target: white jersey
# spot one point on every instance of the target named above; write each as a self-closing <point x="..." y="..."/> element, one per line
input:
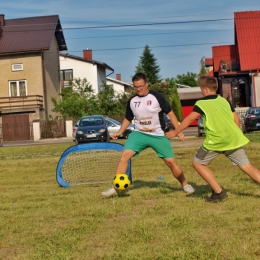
<point x="147" y="112"/>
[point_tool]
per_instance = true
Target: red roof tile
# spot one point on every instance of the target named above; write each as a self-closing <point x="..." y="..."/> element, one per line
<point x="247" y="30"/>
<point x="31" y="34"/>
<point x="210" y="73"/>
<point x="229" y="53"/>
<point x="208" y="62"/>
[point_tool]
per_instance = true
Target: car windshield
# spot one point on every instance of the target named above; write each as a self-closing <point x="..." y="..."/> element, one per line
<point x="253" y="112"/>
<point x="113" y="121"/>
<point x="90" y="121"/>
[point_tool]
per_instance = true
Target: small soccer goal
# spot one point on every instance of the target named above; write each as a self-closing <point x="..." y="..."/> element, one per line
<point x="90" y="163"/>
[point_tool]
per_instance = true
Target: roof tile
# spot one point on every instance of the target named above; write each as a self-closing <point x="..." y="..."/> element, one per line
<point x="30" y="34"/>
<point x="247" y="26"/>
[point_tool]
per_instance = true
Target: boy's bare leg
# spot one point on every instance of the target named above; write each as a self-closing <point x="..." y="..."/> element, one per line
<point x="122" y="165"/>
<point x="123" y="162"/>
<point x="251" y="171"/>
<point x="178" y="174"/>
<point x="176" y="170"/>
<point x="207" y="175"/>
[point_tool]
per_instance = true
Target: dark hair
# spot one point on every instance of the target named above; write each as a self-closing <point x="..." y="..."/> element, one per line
<point x="139" y="76"/>
<point x="209" y="82"/>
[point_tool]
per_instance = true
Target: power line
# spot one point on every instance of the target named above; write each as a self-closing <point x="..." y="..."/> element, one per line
<point x="162" y="17"/>
<point x="162" y="46"/>
<point x="146" y="24"/>
<point x="108" y="26"/>
<point x="145" y="34"/>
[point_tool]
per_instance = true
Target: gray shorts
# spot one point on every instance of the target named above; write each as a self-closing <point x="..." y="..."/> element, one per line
<point x="237" y="156"/>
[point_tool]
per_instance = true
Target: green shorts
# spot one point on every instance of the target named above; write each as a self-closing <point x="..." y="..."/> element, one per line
<point x="138" y="142"/>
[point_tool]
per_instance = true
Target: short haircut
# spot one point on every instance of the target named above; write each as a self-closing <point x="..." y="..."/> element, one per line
<point x="209" y="82"/>
<point x="139" y="76"/>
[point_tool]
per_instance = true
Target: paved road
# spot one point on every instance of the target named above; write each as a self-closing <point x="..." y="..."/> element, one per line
<point x="191" y="131"/>
<point x="40" y="142"/>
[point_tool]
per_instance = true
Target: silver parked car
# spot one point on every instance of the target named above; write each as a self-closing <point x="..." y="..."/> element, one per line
<point x="75" y="127"/>
<point x="113" y="127"/>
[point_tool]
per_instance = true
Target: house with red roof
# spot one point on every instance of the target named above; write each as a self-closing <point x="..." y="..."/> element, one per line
<point x="30" y="72"/>
<point x="237" y="66"/>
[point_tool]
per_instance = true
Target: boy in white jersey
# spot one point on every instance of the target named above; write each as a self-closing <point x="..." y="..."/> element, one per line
<point x="147" y="108"/>
<point x="223" y="135"/>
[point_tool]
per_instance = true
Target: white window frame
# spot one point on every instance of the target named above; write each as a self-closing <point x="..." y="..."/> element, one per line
<point x="17" y="65"/>
<point x="18" y="87"/>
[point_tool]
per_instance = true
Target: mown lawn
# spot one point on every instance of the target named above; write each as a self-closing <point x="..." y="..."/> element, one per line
<point x="154" y="220"/>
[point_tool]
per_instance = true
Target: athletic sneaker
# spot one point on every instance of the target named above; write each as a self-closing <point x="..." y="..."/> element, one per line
<point x="109" y="192"/>
<point x="188" y="189"/>
<point x="217" y="197"/>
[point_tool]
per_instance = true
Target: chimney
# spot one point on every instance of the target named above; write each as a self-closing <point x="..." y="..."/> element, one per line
<point x="2" y="19"/>
<point x="118" y="77"/>
<point x="87" y="54"/>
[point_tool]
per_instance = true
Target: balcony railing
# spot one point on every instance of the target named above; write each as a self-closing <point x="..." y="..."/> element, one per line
<point x="21" y="102"/>
<point x="229" y="65"/>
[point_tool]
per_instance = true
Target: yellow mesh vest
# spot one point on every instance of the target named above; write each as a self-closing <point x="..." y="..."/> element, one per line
<point x="221" y="131"/>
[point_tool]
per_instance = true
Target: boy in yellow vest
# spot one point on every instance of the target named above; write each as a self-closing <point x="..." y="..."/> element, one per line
<point x="223" y="136"/>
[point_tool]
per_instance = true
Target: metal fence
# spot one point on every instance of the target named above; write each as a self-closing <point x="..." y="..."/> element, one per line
<point x="241" y="111"/>
<point x="53" y="128"/>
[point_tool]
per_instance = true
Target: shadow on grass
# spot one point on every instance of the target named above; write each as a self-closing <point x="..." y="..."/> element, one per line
<point x="244" y="194"/>
<point x="201" y="191"/>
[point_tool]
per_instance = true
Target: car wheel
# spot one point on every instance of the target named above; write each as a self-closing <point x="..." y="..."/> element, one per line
<point x="245" y="131"/>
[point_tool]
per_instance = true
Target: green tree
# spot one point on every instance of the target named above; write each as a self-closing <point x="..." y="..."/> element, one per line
<point x="175" y="99"/>
<point x="122" y="100"/>
<point x="76" y="100"/>
<point x="79" y="99"/>
<point x="189" y="79"/>
<point x="148" y="65"/>
<point x="203" y="69"/>
<point x="169" y="90"/>
<point x="164" y="88"/>
<point x="106" y="100"/>
<point x="110" y="103"/>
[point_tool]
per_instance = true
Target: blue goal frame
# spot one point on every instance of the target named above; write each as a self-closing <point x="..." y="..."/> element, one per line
<point x="87" y="147"/>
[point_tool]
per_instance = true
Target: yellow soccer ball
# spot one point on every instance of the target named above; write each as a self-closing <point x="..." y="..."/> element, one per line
<point x="121" y="181"/>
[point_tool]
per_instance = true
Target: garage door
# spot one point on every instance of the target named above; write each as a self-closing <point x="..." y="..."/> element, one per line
<point x="16" y="127"/>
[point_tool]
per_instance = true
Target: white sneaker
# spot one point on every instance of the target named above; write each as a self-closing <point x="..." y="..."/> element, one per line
<point x="188" y="189"/>
<point x="109" y="192"/>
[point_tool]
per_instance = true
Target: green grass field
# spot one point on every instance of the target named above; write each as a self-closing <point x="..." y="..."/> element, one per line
<point x="154" y="220"/>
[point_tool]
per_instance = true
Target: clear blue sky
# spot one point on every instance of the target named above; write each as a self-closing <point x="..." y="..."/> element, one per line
<point x="179" y="33"/>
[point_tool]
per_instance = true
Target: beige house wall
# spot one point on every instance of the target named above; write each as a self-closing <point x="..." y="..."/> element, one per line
<point x="257" y="89"/>
<point x="32" y="73"/>
<point x="41" y="71"/>
<point x="52" y="76"/>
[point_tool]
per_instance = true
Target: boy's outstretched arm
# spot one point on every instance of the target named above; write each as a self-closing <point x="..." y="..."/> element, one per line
<point x="184" y="124"/>
<point x="123" y="127"/>
<point x="236" y="119"/>
<point x="175" y="123"/>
